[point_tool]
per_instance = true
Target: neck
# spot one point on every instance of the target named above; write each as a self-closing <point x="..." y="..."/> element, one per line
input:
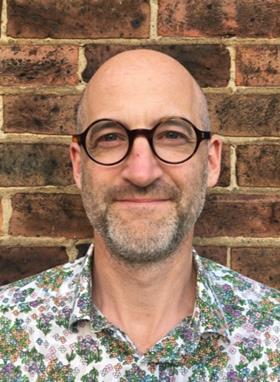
<point x="146" y="302"/>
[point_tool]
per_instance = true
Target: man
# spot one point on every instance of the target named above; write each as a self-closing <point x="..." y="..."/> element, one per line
<point x="141" y="306"/>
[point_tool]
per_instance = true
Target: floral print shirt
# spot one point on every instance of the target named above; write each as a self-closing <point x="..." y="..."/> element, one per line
<point x="51" y="332"/>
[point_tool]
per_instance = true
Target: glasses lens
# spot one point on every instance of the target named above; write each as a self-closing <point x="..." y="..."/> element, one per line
<point x="107" y="142"/>
<point x="174" y="140"/>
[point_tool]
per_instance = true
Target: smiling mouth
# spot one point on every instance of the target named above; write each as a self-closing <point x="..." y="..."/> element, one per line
<point x="142" y="201"/>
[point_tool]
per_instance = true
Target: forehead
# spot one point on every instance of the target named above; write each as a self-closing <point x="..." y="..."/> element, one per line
<point x="142" y="93"/>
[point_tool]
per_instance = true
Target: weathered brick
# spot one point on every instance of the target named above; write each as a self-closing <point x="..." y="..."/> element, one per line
<point x="20" y="262"/>
<point x="209" y="64"/>
<point x="224" y="179"/>
<point x="55" y="215"/>
<point x="258" y="65"/>
<point x="35" y="164"/>
<point x="245" y="115"/>
<point x="40" y="114"/>
<point x="217" y="254"/>
<point x="261" y="264"/>
<point x="78" y="19"/>
<point x="244" y="18"/>
<point x="258" y="165"/>
<point x="31" y="65"/>
<point x="240" y="215"/>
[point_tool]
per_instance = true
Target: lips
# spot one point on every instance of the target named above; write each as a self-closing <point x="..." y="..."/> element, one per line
<point x="142" y="200"/>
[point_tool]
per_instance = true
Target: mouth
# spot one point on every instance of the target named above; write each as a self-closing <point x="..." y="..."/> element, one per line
<point x="142" y="201"/>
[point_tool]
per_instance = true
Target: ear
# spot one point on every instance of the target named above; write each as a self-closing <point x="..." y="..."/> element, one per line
<point x="214" y="160"/>
<point x="75" y="155"/>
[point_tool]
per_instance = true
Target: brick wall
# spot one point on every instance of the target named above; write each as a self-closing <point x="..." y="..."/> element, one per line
<point x="48" y="51"/>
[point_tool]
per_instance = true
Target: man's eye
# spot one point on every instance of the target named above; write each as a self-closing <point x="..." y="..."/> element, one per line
<point x="173" y="135"/>
<point x="108" y="137"/>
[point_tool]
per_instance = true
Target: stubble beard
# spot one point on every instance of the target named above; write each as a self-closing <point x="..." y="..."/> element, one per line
<point x="139" y="239"/>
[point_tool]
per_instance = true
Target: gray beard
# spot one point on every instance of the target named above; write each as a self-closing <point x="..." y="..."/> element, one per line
<point x="148" y="240"/>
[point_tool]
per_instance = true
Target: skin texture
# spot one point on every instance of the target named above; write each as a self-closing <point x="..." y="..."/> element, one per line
<point x="143" y="210"/>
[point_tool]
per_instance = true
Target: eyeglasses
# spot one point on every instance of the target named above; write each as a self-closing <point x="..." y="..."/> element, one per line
<point x="173" y="140"/>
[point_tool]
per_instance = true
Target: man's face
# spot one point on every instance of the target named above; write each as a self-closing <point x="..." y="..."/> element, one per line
<point x="142" y="208"/>
<point x="141" y="224"/>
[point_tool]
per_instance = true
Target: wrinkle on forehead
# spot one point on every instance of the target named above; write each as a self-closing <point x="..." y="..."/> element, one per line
<point x="140" y="70"/>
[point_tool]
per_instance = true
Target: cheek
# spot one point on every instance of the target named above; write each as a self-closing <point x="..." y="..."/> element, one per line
<point x="182" y="175"/>
<point x="190" y="179"/>
<point x="99" y="178"/>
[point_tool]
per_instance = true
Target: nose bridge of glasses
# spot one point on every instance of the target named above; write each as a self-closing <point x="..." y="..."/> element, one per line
<point x="146" y="133"/>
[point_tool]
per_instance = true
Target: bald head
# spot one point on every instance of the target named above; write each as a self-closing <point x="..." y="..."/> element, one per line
<point x="142" y="80"/>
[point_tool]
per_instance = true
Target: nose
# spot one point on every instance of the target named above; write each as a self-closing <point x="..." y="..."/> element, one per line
<point x="141" y="167"/>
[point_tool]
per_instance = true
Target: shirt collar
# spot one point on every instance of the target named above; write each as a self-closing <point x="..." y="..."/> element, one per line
<point x="207" y="319"/>
<point x="208" y="315"/>
<point x="83" y="308"/>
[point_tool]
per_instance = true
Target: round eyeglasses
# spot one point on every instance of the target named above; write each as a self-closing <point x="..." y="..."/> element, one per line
<point x="173" y="140"/>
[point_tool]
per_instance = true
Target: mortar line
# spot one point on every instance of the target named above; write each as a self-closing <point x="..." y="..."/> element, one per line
<point x="72" y="252"/>
<point x="66" y="139"/>
<point x="153" y="19"/>
<point x="4" y="22"/>
<point x="6" y="213"/>
<point x="10" y="191"/>
<point x="244" y="191"/>
<point x="33" y="241"/>
<point x="77" y="89"/>
<point x="35" y="90"/>
<point x="228" y="261"/>
<point x="232" y="71"/>
<point x="233" y="242"/>
<point x="250" y="140"/>
<point x="236" y="241"/>
<point x="82" y="63"/>
<point x="164" y="40"/>
<point x="233" y="164"/>
<point x="243" y="90"/>
<point x="72" y="190"/>
<point x="35" y="138"/>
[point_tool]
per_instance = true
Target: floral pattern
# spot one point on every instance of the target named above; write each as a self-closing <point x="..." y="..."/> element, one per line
<point x="51" y="332"/>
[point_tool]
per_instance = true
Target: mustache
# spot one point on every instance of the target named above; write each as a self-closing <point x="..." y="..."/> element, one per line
<point x="158" y="190"/>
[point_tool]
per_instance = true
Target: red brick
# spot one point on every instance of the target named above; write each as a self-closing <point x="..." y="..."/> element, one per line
<point x="78" y="19"/>
<point x="245" y="115"/>
<point x="258" y="65"/>
<point x="20" y="262"/>
<point x="35" y="164"/>
<point x="241" y="18"/>
<point x="240" y="215"/>
<point x="40" y="114"/>
<point x="38" y="65"/>
<point x="224" y="179"/>
<point x="261" y="264"/>
<point x="209" y="64"/>
<point x="217" y="254"/>
<point x="55" y="215"/>
<point x="258" y="165"/>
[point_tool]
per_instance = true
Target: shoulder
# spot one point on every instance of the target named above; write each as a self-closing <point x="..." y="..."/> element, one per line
<point x="23" y="295"/>
<point x="250" y="311"/>
<point x="242" y="299"/>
